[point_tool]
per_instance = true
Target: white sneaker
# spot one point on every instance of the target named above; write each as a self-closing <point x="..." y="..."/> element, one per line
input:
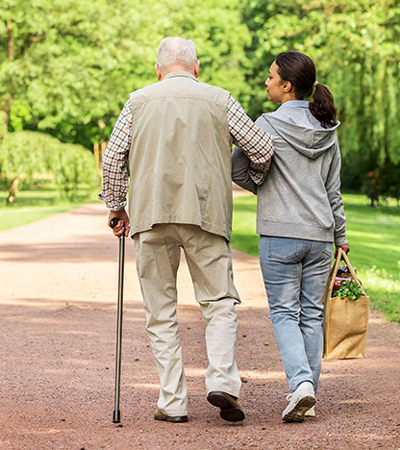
<point x="300" y="401"/>
<point x="310" y="412"/>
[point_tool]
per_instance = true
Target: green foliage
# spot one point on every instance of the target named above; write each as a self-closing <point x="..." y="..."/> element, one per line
<point x="349" y="289"/>
<point x="32" y="156"/>
<point x="68" y="66"/>
<point x="356" y="47"/>
<point x="3" y="126"/>
<point x="74" y="166"/>
<point x="389" y="181"/>
<point x="374" y="241"/>
<point x="76" y="61"/>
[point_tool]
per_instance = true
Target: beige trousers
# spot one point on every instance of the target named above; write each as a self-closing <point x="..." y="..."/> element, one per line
<point x="210" y="265"/>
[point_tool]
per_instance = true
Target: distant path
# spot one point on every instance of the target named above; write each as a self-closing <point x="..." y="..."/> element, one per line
<point x="57" y="332"/>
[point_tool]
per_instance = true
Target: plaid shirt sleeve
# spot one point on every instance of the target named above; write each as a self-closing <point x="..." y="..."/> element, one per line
<point x="115" y="173"/>
<point x="256" y="145"/>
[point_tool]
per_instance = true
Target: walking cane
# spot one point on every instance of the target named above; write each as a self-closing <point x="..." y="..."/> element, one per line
<point x="117" y="415"/>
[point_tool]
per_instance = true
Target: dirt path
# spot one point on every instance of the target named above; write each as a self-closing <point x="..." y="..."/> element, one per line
<point x="58" y="282"/>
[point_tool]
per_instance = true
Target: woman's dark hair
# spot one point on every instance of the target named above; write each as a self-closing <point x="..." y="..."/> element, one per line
<point x="299" y="69"/>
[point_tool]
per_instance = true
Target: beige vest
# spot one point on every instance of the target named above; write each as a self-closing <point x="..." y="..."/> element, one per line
<point x="179" y="162"/>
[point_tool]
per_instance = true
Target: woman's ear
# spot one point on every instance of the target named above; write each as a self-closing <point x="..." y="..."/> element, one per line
<point x="287" y="86"/>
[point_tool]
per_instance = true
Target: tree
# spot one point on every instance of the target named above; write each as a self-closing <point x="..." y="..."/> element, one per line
<point x="68" y="66"/>
<point x="356" y="47"/>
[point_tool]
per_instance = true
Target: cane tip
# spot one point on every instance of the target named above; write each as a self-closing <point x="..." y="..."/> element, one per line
<point x="116" y="417"/>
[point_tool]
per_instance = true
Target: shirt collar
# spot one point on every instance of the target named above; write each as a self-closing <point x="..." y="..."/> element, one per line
<point x="296" y="104"/>
<point x="180" y="73"/>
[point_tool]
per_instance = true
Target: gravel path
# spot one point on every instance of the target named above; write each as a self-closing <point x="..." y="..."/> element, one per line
<point x="57" y="335"/>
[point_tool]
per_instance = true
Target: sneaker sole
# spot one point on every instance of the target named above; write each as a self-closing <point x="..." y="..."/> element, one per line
<point x="228" y="412"/>
<point x="309" y="414"/>
<point x="297" y="414"/>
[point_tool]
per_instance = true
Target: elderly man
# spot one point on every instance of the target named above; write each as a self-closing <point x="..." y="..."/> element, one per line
<point x="177" y="136"/>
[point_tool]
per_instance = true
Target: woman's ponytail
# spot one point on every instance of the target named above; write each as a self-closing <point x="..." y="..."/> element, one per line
<point x="323" y="107"/>
<point x="299" y="69"/>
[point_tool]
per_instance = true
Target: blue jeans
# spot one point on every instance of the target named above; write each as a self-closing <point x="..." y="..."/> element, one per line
<point x="295" y="273"/>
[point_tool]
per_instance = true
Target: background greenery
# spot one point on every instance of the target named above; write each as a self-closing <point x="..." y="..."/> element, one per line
<point x="38" y="203"/>
<point x="67" y="68"/>
<point x="374" y="239"/>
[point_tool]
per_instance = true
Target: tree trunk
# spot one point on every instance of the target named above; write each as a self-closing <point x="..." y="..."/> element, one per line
<point x="102" y="125"/>
<point x="11" y="46"/>
<point x="7" y="110"/>
<point x="13" y="191"/>
<point x="103" y="144"/>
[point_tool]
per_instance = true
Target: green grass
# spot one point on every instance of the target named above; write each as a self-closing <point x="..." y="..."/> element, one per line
<point x="374" y="239"/>
<point x="36" y="204"/>
<point x="373" y="234"/>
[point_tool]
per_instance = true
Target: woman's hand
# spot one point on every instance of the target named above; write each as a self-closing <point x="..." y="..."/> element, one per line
<point x="344" y="247"/>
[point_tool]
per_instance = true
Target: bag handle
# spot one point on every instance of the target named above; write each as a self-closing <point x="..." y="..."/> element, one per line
<point x="342" y="255"/>
<point x="347" y="261"/>
<point x="333" y="273"/>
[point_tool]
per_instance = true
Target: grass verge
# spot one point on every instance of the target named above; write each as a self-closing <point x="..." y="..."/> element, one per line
<point x="36" y="204"/>
<point x="374" y="240"/>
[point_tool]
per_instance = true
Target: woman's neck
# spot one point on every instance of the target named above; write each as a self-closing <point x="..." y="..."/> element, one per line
<point x="287" y="97"/>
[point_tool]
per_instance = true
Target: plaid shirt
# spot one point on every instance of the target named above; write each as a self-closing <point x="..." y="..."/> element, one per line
<point x="257" y="145"/>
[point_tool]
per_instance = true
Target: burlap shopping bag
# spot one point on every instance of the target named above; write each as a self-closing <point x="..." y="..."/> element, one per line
<point x="345" y="321"/>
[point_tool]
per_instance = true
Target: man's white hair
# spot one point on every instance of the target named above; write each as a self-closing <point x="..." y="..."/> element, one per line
<point x="176" y="51"/>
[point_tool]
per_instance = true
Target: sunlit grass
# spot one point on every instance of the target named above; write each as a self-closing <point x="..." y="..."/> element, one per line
<point x="373" y="234"/>
<point x="16" y="217"/>
<point x="36" y="204"/>
<point x="374" y="239"/>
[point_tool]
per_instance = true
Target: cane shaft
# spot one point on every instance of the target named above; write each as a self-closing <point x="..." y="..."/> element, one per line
<point x="116" y="416"/>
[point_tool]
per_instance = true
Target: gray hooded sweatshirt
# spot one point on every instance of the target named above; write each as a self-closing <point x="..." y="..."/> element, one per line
<point x="300" y="197"/>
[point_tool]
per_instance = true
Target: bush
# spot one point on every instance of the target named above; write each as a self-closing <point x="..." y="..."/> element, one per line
<point x="390" y="181"/>
<point x="75" y="166"/>
<point x="383" y="183"/>
<point x="27" y="157"/>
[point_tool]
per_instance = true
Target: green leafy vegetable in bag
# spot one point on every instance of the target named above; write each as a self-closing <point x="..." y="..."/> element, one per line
<point x="349" y="289"/>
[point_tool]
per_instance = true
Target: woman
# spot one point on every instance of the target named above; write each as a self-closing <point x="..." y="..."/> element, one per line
<point x="299" y="215"/>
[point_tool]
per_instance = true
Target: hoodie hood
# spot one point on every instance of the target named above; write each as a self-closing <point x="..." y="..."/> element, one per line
<point x="295" y="124"/>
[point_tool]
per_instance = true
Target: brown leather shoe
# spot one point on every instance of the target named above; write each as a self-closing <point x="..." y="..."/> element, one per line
<point x="230" y="408"/>
<point x="159" y="415"/>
